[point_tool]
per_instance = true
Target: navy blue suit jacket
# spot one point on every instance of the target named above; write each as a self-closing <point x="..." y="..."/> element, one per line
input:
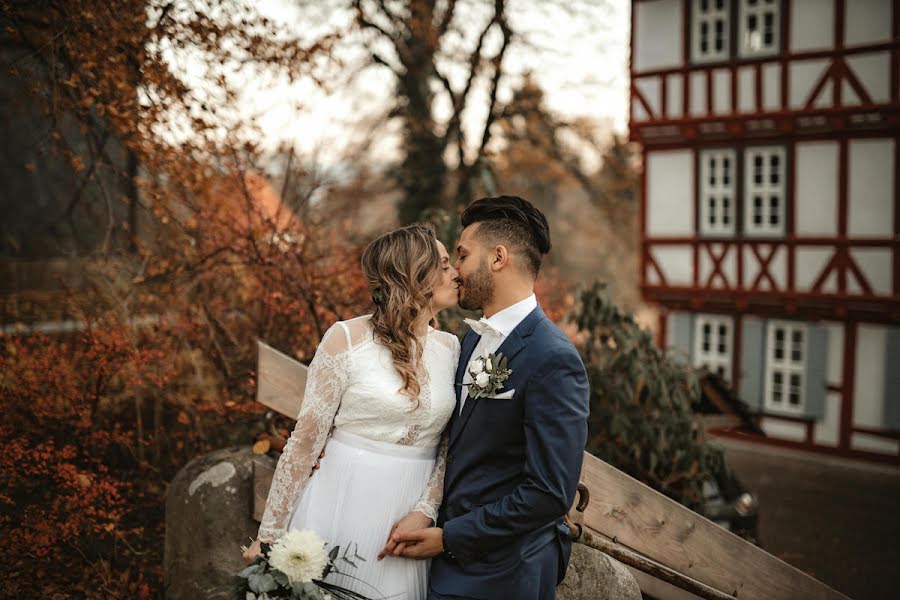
<point x="512" y="470"/>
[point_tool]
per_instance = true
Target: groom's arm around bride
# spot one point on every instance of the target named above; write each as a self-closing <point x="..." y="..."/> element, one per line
<point x="514" y="460"/>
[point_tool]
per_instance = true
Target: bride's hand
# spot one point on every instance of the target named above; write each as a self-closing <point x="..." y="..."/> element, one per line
<point x="411" y="522"/>
<point x="251" y="552"/>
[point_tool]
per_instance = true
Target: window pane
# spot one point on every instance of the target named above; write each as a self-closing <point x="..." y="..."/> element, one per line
<point x="794" y="392"/>
<point x="720" y="35"/>
<point x="751" y="23"/>
<point x="726" y="171"/>
<point x="704" y="5"/>
<point x="757" y="169"/>
<point x="768" y="30"/>
<point x="726" y="211"/>
<point x="779" y="344"/>
<point x="712" y="210"/>
<point x="797" y="345"/>
<point x="712" y="171"/>
<point x="774" y="165"/>
<point x="773" y="210"/>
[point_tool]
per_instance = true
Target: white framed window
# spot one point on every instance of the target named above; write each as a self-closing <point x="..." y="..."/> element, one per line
<point x="759" y="29"/>
<point x="713" y="342"/>
<point x="764" y="191"/>
<point x="717" y="198"/>
<point x="709" y="30"/>
<point x="786" y="359"/>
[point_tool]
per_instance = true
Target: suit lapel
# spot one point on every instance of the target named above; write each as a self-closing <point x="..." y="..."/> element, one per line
<point x="511" y="346"/>
<point x="470" y="340"/>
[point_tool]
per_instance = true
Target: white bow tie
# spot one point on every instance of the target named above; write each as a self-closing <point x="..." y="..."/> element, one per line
<point x="482" y="327"/>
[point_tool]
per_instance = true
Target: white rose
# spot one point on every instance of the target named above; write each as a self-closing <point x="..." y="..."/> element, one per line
<point x="482" y="379"/>
<point x="487" y="364"/>
<point x="476" y="366"/>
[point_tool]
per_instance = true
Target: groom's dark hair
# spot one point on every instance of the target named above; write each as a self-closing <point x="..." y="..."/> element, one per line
<point x="513" y="222"/>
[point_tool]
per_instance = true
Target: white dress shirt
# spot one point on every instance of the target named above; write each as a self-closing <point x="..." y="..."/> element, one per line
<point x="503" y="322"/>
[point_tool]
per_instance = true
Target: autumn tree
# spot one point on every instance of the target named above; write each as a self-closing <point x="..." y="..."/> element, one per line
<point x="446" y="60"/>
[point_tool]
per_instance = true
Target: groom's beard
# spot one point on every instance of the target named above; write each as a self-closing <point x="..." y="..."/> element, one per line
<point x="478" y="288"/>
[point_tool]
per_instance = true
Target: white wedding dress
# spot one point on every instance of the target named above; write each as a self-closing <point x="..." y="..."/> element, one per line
<point x="384" y="456"/>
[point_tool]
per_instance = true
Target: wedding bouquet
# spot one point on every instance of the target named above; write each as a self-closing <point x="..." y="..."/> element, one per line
<point x="295" y="567"/>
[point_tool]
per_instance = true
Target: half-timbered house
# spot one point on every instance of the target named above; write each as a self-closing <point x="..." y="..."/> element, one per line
<point x="771" y="208"/>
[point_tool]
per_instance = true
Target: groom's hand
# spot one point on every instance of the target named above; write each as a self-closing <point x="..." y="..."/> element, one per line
<point x="414" y="521"/>
<point x="424" y="543"/>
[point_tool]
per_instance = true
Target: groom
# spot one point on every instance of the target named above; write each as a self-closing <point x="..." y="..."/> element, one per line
<point x="514" y="458"/>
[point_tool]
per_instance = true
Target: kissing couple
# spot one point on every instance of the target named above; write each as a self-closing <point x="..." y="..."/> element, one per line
<point x="452" y="464"/>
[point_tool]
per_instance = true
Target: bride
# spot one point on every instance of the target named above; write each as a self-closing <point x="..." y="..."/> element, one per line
<point x="378" y="396"/>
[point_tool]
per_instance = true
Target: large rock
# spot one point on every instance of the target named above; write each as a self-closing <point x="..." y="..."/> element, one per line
<point x="207" y="519"/>
<point x="593" y="575"/>
<point x="208" y="516"/>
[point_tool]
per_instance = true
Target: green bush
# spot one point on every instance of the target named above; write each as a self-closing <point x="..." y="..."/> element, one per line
<point x="641" y="420"/>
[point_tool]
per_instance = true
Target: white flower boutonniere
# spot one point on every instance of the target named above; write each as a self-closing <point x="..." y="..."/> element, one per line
<point x="488" y="373"/>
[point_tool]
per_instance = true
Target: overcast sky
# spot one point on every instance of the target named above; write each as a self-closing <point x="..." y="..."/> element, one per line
<point x="580" y="61"/>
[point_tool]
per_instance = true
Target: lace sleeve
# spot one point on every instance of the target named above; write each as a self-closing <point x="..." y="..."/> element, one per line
<point x="326" y="380"/>
<point x="434" y="492"/>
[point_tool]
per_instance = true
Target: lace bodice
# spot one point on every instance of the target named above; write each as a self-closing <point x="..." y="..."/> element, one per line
<point x="352" y="385"/>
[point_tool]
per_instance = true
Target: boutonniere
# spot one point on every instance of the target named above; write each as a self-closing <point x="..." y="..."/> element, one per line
<point x="488" y="373"/>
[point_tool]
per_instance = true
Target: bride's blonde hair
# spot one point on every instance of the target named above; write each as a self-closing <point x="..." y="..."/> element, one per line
<point x="402" y="269"/>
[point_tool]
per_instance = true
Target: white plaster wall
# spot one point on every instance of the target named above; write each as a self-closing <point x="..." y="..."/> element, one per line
<point x="676" y="263"/>
<point x="670" y="192"/>
<point x="874" y="443"/>
<point x="674" y="95"/>
<point x="827" y="430"/>
<point x="803" y="75"/>
<point x="867" y="22"/>
<point x="874" y="74"/>
<point x="698" y="93"/>
<point x="771" y="82"/>
<point x="751" y="266"/>
<point x="809" y="262"/>
<point x="835" y="373"/>
<point x="721" y="91"/>
<point x="826" y="96"/>
<point x="875" y="264"/>
<point x="651" y="89"/>
<point x="728" y="266"/>
<point x="746" y="89"/>
<point x="871" y="187"/>
<point x="638" y="112"/>
<point x="778" y="267"/>
<point x="785" y="430"/>
<point x="657" y="34"/>
<point x="815" y="188"/>
<point x="868" y="385"/>
<point x="812" y="25"/>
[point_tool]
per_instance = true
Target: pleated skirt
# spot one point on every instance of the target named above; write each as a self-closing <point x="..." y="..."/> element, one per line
<point x="360" y="491"/>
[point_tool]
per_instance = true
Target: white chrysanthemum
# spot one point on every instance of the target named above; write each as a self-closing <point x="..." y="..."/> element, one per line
<point x="300" y="555"/>
<point x="476" y="366"/>
<point x="482" y="379"/>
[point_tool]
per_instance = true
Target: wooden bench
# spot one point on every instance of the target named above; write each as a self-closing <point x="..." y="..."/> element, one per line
<point x="668" y="547"/>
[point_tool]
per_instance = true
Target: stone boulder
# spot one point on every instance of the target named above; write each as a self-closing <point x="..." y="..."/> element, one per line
<point x="593" y="575"/>
<point x="208" y="517"/>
